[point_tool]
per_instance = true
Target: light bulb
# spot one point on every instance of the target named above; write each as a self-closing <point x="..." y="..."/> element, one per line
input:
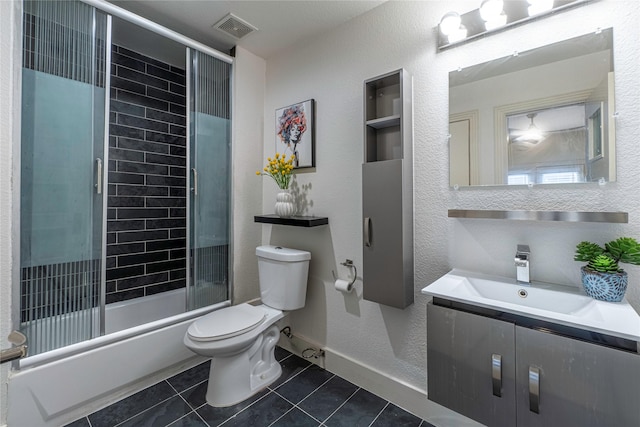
<point x="539" y="6"/>
<point x="450" y="23"/>
<point x="491" y="9"/>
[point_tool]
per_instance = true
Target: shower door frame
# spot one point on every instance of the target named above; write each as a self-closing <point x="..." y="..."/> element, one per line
<point x="112" y="10"/>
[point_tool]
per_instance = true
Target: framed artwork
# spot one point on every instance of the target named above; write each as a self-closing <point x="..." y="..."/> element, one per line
<point x="295" y="133"/>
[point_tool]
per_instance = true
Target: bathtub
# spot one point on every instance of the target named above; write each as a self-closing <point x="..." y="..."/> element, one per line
<point x="59" y="386"/>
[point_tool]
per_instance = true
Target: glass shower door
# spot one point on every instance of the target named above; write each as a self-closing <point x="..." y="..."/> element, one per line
<point x="62" y="172"/>
<point x="209" y="182"/>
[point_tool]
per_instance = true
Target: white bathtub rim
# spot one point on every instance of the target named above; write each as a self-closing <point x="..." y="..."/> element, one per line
<point x="81" y="347"/>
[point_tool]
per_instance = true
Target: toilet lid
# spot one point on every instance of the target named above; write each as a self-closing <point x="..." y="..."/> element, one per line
<point x="226" y="323"/>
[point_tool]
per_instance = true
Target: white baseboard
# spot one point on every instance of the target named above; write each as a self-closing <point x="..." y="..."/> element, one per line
<point x="401" y="394"/>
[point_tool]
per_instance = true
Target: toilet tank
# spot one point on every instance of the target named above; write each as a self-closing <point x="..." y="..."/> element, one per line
<point x="283" y="275"/>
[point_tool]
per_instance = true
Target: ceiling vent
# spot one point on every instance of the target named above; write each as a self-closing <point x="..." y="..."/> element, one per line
<point x="234" y="26"/>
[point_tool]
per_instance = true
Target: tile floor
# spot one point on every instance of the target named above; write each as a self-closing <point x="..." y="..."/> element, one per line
<point x="304" y="395"/>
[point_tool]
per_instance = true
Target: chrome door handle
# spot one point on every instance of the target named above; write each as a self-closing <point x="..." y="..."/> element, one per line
<point x="98" y="184"/>
<point x="534" y="389"/>
<point x="367" y="232"/>
<point x="195" y="181"/>
<point x="496" y="374"/>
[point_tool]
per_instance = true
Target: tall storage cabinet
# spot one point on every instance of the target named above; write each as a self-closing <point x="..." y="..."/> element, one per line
<point x="387" y="190"/>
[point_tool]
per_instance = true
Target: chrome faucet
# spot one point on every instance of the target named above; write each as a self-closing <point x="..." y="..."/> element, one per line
<point x="523" y="256"/>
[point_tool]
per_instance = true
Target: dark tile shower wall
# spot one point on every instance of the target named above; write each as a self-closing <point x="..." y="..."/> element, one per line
<point x="146" y="220"/>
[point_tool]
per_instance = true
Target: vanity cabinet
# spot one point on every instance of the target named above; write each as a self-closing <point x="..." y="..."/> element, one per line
<point x="387" y="190"/>
<point x="501" y="373"/>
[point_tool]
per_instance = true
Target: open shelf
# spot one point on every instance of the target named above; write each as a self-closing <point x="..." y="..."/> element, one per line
<point x="296" y="221"/>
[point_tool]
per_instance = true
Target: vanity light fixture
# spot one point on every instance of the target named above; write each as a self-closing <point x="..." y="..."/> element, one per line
<point x="493" y="16"/>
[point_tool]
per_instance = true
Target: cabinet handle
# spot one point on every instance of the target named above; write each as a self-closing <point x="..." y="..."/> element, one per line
<point x="98" y="184"/>
<point x="534" y="389"/>
<point x="496" y="374"/>
<point x="367" y="232"/>
<point x="195" y="181"/>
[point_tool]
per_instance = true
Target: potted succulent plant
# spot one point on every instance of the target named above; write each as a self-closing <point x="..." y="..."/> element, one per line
<point x="602" y="277"/>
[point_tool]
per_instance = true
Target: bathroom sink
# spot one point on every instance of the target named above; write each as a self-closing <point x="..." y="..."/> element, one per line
<point x="561" y="304"/>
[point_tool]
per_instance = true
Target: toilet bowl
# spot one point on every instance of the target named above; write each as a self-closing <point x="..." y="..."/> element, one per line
<point x="240" y="340"/>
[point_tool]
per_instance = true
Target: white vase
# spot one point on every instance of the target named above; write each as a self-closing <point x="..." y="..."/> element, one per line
<point x="284" y="203"/>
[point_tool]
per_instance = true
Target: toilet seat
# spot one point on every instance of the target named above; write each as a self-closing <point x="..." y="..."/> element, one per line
<point x="227" y="323"/>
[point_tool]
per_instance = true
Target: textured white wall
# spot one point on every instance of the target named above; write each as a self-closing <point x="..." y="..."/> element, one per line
<point x="331" y="69"/>
<point x="248" y="132"/>
<point x="9" y="113"/>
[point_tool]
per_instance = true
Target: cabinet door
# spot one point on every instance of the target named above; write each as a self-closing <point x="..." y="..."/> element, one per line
<point x="461" y="349"/>
<point x="383" y="256"/>
<point x="580" y="384"/>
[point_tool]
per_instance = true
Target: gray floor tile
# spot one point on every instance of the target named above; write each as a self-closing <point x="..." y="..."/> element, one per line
<point x="161" y="414"/>
<point x="262" y="413"/>
<point x="190" y="377"/>
<point x="304" y="383"/>
<point x="190" y="420"/>
<point x="291" y="366"/>
<point x="216" y="416"/>
<point x="392" y="416"/>
<point x="359" y="411"/>
<point x="325" y="400"/>
<point x="82" y="422"/>
<point x="132" y="405"/>
<point x="296" y="418"/>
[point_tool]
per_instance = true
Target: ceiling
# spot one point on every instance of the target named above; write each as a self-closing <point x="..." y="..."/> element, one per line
<point x="280" y="23"/>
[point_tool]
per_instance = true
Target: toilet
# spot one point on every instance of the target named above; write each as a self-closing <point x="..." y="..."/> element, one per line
<point x="240" y="339"/>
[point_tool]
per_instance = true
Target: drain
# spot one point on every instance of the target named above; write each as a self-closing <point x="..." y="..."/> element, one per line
<point x="522" y="293"/>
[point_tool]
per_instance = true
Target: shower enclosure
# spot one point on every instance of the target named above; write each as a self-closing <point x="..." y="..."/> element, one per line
<point x="125" y="177"/>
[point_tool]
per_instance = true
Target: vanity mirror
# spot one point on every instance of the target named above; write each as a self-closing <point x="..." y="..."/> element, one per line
<point x="545" y="116"/>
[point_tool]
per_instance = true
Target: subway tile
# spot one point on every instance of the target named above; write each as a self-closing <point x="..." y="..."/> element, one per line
<point x="177" y="253"/>
<point x="165" y="223"/>
<point x="125" y="213"/>
<point x="112" y="166"/>
<point x="165" y="266"/>
<point x="126" y="108"/>
<point x="142" y="190"/>
<point x="125" y="260"/>
<point x="140" y="123"/>
<point x="140" y="281"/>
<point x="177" y="192"/>
<point x="142" y="168"/>
<point x="177" y="130"/>
<point x="178" y="109"/>
<point x="127" y="61"/>
<point x="180" y="89"/>
<point x="165" y="96"/>
<point x="145" y="101"/>
<point x="129" y="202"/>
<point x="111" y="237"/>
<point x="140" y="145"/>
<point x="122" y="154"/>
<point x="177" y="213"/>
<point x="128" y="85"/>
<point x="118" y="273"/>
<point x="111" y="262"/>
<point x="178" y="274"/>
<point x="177" y="70"/>
<point x="126" y="178"/>
<point x="128" y="248"/>
<point x="165" y="287"/>
<point x="141" y="236"/>
<point x="164" y="137"/>
<point x="160" y="245"/>
<point x="111" y="285"/>
<point x="165" y="117"/>
<point x="165" y="74"/>
<point x="113" y="118"/>
<point x="177" y="171"/>
<point x="177" y="233"/>
<point x="164" y="180"/>
<point x="165" y="160"/>
<point x="125" y="225"/>
<point x="127" y="131"/>
<point x="173" y="202"/>
<point x="178" y="151"/>
<point x="142" y="78"/>
<point x="112" y="189"/>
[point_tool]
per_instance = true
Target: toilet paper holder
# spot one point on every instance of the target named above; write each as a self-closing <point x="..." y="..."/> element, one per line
<point x="348" y="263"/>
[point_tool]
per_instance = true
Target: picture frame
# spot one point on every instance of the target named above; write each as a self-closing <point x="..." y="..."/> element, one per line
<point x="295" y="133"/>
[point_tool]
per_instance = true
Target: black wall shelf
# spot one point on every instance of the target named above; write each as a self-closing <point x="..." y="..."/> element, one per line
<point x="296" y="221"/>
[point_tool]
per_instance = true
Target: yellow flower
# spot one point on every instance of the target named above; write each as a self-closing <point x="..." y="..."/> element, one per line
<point x="258" y="173"/>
